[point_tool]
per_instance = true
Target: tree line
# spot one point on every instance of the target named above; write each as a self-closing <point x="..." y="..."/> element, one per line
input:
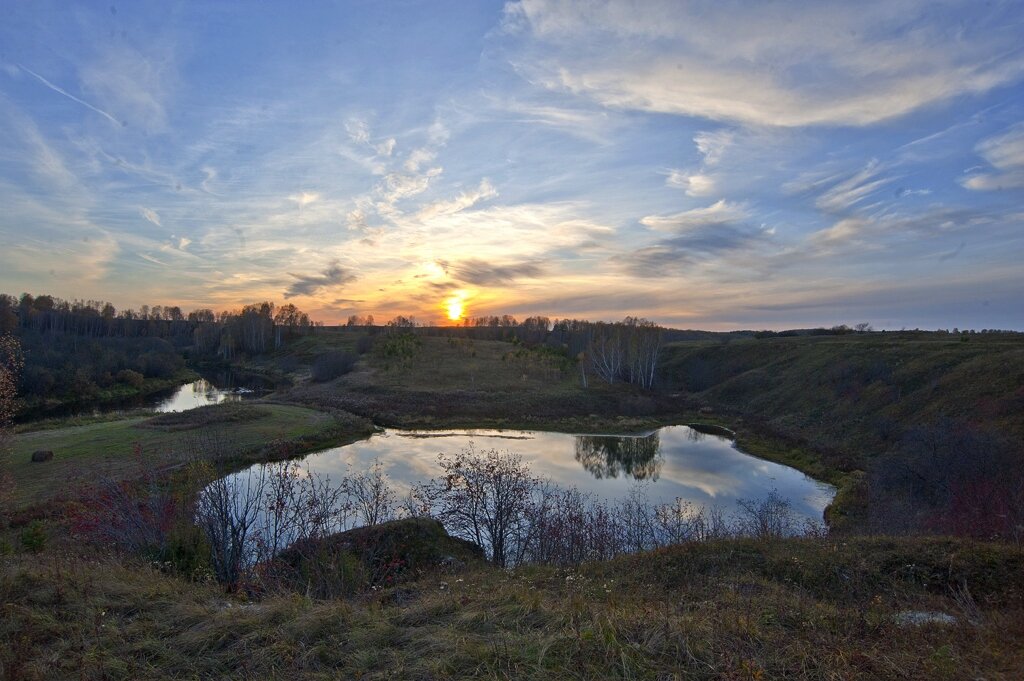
<point x="626" y="351"/>
<point x="80" y="350"/>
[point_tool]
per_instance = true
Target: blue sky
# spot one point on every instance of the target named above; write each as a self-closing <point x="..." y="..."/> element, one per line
<point x="704" y="164"/>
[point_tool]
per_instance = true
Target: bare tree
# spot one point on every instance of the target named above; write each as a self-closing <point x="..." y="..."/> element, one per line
<point x="249" y="517"/>
<point x="485" y="497"/>
<point x="297" y="505"/>
<point x="372" y="497"/>
<point x="228" y="511"/>
<point x="644" y="347"/>
<point x="768" y="518"/>
<point x="607" y="351"/>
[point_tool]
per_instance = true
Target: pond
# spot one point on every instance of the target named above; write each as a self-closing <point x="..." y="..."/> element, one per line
<point x="212" y="388"/>
<point x="674" y="462"/>
<point x="198" y="394"/>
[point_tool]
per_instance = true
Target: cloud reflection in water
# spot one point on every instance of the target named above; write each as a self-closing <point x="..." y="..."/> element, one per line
<point x="672" y="462"/>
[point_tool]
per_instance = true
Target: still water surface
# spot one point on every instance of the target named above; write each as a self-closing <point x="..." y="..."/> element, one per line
<point x="199" y="394"/>
<point x="212" y="389"/>
<point x="671" y="462"/>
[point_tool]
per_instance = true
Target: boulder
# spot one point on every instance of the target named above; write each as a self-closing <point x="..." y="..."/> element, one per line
<point x="373" y="557"/>
<point x="41" y="455"/>
<point x="918" y="618"/>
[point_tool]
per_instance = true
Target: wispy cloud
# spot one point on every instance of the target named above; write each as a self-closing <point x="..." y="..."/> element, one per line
<point x="332" y="276"/>
<point x="719" y="213"/>
<point x="150" y="215"/>
<point x="304" y="198"/>
<point x="827" y="63"/>
<point x="134" y="83"/>
<point x="464" y="200"/>
<point x="693" y="184"/>
<point x="849" y="191"/>
<point x="1005" y="154"/>
<point x="70" y="96"/>
<point x="482" y="273"/>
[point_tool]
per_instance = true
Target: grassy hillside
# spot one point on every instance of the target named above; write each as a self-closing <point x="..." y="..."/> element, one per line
<point x="847" y="396"/>
<point x="105" y="448"/>
<point x="851" y="397"/>
<point x="795" y="609"/>
<point x="444" y="382"/>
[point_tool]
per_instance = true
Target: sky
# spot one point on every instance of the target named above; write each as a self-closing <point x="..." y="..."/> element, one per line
<point x="716" y="165"/>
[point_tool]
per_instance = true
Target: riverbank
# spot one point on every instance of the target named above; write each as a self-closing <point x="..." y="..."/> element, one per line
<point x="125" y="447"/>
<point x="104" y="398"/>
<point x="587" y="412"/>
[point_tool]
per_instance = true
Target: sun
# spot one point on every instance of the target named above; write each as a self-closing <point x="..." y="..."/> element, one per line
<point x="456" y="307"/>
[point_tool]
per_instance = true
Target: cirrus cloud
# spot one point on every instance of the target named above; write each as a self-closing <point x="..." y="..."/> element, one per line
<point x="824" y="63"/>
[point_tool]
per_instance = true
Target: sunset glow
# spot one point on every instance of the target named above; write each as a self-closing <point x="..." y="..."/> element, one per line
<point x="456" y="308"/>
<point x="713" y="165"/>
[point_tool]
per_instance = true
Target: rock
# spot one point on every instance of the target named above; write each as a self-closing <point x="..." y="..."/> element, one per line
<point x="917" y="618"/>
<point x="41" y="455"/>
<point x="372" y="557"/>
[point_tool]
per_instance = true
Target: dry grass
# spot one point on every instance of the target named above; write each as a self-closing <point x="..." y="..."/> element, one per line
<point x="733" y="610"/>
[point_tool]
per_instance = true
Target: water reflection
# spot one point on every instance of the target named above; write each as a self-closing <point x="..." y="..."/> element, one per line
<point x="221" y="387"/>
<point x="672" y="463"/>
<point x="610" y="456"/>
<point x="200" y="394"/>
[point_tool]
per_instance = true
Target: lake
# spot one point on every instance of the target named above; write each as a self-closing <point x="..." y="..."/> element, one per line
<point x="671" y="462"/>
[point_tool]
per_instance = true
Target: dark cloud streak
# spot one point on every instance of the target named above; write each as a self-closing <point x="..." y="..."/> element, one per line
<point x="309" y="284"/>
<point x="482" y="273"/>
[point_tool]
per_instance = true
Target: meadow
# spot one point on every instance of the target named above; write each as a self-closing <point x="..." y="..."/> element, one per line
<point x="856" y="603"/>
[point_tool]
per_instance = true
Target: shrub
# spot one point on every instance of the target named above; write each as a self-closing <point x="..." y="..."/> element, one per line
<point x="34" y="537"/>
<point x="134" y="515"/>
<point x="401" y="347"/>
<point x="130" y="378"/>
<point x="364" y="344"/>
<point x="949" y="477"/>
<point x="331" y="365"/>
<point x="767" y="518"/>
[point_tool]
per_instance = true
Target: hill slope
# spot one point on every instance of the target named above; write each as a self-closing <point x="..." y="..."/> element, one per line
<point x="854" y="396"/>
<point x="799" y="609"/>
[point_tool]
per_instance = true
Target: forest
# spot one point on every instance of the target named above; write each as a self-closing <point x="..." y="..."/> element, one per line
<point x="78" y="351"/>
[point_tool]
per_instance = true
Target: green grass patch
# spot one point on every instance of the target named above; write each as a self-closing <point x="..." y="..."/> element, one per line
<point x="204" y="417"/>
<point x="82" y="453"/>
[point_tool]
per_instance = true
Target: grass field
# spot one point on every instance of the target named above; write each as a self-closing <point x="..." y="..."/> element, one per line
<point x="853" y="396"/>
<point x="105" y="448"/>
<point x="792" y="609"/>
